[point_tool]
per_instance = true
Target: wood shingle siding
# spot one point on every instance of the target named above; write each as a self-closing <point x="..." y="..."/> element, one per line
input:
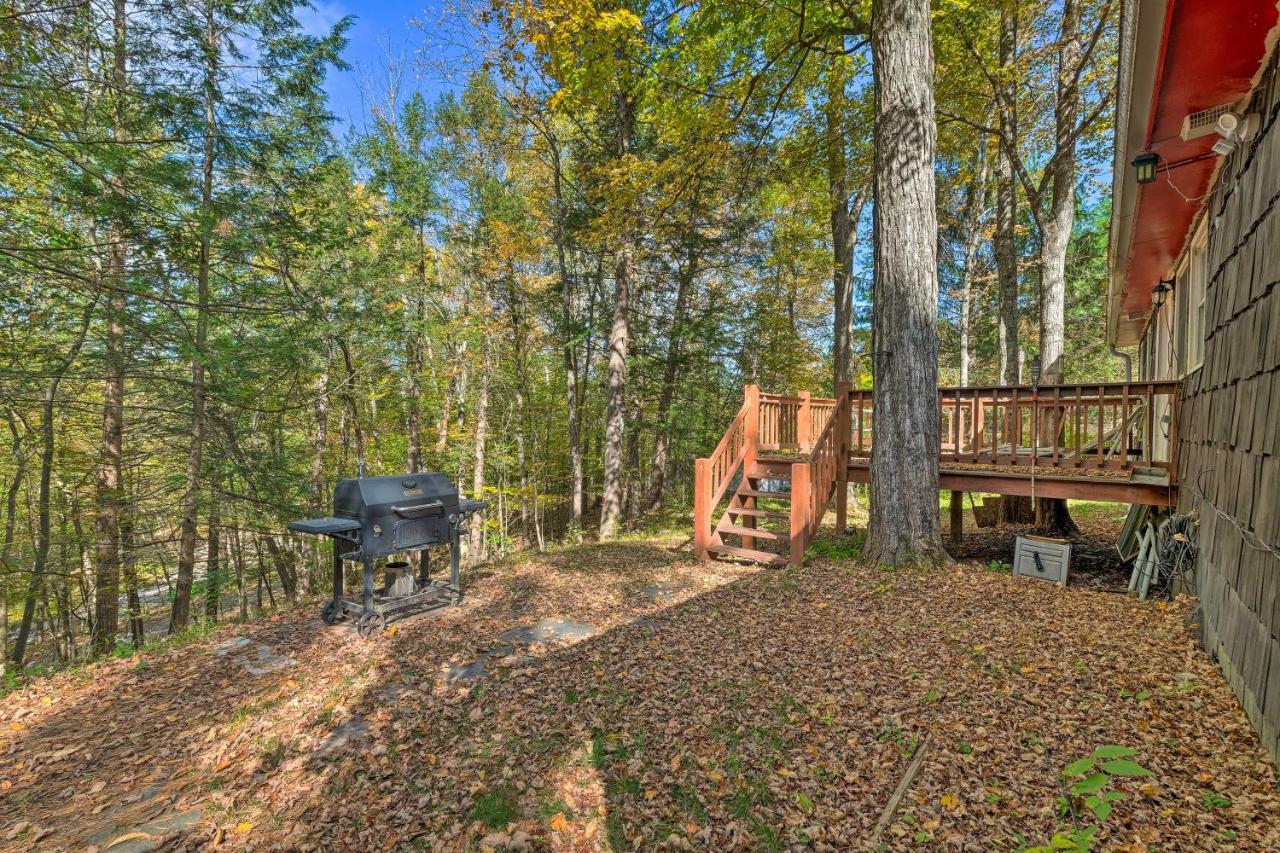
<point x="1229" y="424"/>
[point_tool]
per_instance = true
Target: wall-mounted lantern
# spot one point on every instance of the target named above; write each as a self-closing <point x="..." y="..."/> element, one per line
<point x="1145" y="164"/>
<point x="1035" y="372"/>
<point x="1160" y="293"/>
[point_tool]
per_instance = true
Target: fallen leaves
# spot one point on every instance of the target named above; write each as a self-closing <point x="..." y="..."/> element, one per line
<point x="759" y="708"/>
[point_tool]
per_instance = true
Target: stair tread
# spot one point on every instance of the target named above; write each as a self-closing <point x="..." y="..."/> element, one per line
<point x="749" y="554"/>
<point x="754" y="532"/>
<point x="758" y="513"/>
<point x="770" y="475"/>
<point x="756" y="493"/>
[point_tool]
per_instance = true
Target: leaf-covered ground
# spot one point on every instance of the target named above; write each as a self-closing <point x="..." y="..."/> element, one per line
<point x="746" y="709"/>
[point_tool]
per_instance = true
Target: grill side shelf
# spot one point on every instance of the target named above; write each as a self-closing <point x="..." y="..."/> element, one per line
<point x="325" y="526"/>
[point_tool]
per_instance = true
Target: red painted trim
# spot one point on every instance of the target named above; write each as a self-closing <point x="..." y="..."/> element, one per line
<point x="1159" y="82"/>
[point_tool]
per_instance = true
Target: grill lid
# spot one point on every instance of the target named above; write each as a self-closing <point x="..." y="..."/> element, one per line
<point x="405" y="496"/>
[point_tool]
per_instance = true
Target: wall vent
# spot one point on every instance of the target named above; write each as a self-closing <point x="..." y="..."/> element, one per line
<point x="1203" y="123"/>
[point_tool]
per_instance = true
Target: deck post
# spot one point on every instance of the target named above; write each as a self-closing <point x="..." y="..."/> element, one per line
<point x="799" y="511"/>
<point x="751" y="430"/>
<point x="701" y="509"/>
<point x="844" y="411"/>
<point x="804" y="424"/>
<point x="957" y="517"/>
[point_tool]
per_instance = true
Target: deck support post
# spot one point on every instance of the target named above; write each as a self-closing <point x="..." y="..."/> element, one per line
<point x="844" y="413"/>
<point x="701" y="509"/>
<point x="957" y="517"/>
<point x="799" y="511"/>
<point x="751" y="430"/>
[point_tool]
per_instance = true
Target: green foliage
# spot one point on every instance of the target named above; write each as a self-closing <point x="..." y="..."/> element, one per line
<point x="1090" y="782"/>
<point x="495" y="808"/>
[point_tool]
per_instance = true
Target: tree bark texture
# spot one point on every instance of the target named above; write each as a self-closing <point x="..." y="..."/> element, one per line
<point x="181" y="613"/>
<point x="904" y="523"/>
<point x="109" y="497"/>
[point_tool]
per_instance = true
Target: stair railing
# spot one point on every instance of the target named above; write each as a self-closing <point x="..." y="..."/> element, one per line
<point x="713" y="475"/>
<point x="815" y="478"/>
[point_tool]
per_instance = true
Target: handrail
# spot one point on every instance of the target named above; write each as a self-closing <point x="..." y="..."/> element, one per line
<point x="814" y="478"/>
<point x="1116" y="425"/>
<point x="713" y="474"/>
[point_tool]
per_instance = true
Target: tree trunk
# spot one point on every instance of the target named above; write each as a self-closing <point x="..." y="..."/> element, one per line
<point x="481" y="436"/>
<point x="1055" y="239"/>
<point x="972" y="236"/>
<point x="615" y="417"/>
<point x="671" y="372"/>
<point x="213" y="559"/>
<point x="414" y="360"/>
<point x="568" y="336"/>
<point x="129" y="567"/>
<point x="181" y="613"/>
<point x="1005" y="246"/>
<point x="6" y="547"/>
<point x="844" y="225"/>
<point x="904" y="524"/>
<point x="110" y="500"/>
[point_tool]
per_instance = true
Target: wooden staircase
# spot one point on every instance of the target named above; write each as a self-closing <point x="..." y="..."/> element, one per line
<point x="780" y="462"/>
<point x="744" y="515"/>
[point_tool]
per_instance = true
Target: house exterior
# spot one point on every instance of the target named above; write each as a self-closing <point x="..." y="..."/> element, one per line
<point x="1195" y="285"/>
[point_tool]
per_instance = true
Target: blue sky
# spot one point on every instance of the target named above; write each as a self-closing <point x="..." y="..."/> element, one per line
<point x="406" y="29"/>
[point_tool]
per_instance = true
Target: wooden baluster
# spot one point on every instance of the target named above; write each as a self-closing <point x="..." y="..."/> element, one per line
<point x="1149" y="432"/>
<point x="1102" y="460"/>
<point x="1015" y="432"/>
<point x="1124" y="435"/>
<point x="804" y="423"/>
<point x="955" y="426"/>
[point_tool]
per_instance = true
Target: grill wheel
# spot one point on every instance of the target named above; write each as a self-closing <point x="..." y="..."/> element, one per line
<point x="331" y="614"/>
<point x="371" y="623"/>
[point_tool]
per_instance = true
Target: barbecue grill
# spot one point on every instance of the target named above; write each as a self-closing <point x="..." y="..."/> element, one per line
<point x="379" y="517"/>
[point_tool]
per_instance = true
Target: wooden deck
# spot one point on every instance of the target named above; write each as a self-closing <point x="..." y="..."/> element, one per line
<point x="1107" y="441"/>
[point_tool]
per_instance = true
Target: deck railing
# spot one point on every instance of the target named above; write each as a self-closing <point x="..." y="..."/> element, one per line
<point x="1109" y="425"/>
<point x="1099" y="425"/>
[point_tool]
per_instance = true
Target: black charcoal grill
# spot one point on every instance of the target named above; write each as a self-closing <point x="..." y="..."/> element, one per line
<point x="379" y="517"/>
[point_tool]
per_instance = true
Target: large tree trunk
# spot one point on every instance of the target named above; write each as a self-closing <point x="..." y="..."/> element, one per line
<point x="904" y="463"/>
<point x="181" y="613"/>
<point x="1055" y="238"/>
<point x="110" y="500"/>
<point x="615" y="419"/>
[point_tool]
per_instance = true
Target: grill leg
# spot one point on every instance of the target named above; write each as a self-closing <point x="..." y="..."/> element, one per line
<point x="337" y="574"/>
<point x="424" y="567"/>
<point x="454" y="548"/>
<point x="367" y="599"/>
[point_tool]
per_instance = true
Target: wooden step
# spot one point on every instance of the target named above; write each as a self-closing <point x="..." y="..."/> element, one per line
<point x="766" y="474"/>
<point x="756" y="493"/>
<point x="758" y="513"/>
<point x="765" y="557"/>
<point x="754" y="532"/>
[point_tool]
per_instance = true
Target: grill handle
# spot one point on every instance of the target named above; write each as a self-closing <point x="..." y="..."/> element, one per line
<point x="417" y="510"/>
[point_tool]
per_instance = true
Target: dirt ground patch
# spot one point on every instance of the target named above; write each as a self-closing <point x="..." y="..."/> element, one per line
<point x="722" y="707"/>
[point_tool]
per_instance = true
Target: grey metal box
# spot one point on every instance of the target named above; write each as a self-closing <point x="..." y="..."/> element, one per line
<point x="1043" y="558"/>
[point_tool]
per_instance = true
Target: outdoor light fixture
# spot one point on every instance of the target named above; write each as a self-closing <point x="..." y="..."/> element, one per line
<point x="1035" y="371"/>
<point x="1146" y="163"/>
<point x="1160" y="292"/>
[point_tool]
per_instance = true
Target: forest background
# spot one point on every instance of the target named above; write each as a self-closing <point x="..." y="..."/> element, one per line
<point x="545" y="259"/>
